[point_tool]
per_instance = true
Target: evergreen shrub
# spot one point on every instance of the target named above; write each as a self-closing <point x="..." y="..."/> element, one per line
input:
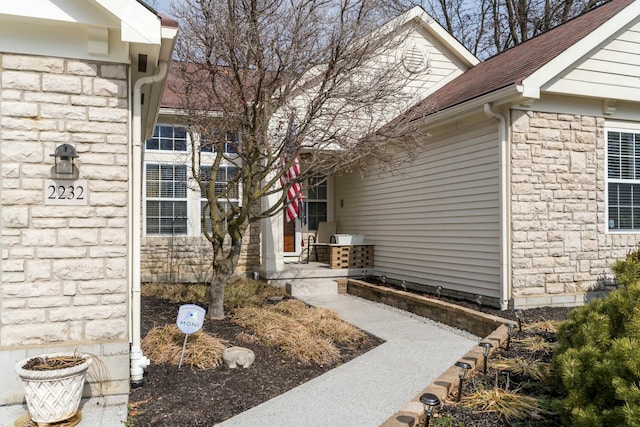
<point x="598" y="356"/>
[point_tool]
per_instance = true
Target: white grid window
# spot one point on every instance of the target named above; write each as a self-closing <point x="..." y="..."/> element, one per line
<point x="316" y="211"/>
<point x="224" y="175"/>
<point x="166" y="199"/>
<point x="623" y="180"/>
<point x="168" y="138"/>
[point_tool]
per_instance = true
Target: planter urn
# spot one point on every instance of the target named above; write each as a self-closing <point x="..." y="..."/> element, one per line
<point x="54" y="394"/>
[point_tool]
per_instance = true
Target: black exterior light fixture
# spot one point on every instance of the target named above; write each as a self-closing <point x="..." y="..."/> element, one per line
<point x="65" y="156"/>
<point x="510" y="329"/>
<point x="486" y="347"/>
<point x="463" y="370"/>
<point x="430" y="402"/>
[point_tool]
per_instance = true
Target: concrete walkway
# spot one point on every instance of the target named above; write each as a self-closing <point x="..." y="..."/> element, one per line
<point x="366" y="391"/>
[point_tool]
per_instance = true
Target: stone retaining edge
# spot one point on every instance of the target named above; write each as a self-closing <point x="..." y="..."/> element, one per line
<point x="480" y="324"/>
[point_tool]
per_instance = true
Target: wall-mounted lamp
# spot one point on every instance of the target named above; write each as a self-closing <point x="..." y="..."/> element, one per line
<point x="430" y="402"/>
<point x="463" y="370"/>
<point x="64" y="167"/>
<point x="486" y="347"/>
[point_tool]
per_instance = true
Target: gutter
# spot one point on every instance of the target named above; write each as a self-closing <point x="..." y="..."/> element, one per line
<point x="505" y="197"/>
<point x="139" y="362"/>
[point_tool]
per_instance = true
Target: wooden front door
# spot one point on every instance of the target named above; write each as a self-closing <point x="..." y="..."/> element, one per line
<point x="289" y="235"/>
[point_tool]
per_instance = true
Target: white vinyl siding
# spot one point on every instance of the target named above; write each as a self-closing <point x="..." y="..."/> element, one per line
<point x="437" y="222"/>
<point x="611" y="72"/>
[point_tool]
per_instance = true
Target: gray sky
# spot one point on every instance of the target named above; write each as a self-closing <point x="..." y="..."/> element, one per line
<point x="163" y="6"/>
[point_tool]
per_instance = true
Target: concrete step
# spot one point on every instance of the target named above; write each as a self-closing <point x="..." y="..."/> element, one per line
<point x="310" y="287"/>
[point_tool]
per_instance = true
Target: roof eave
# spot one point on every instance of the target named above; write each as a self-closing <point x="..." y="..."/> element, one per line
<point x="509" y="95"/>
<point x="535" y="82"/>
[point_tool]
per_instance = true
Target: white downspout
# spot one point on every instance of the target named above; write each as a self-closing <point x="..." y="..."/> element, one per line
<point x="505" y="201"/>
<point x="139" y="362"/>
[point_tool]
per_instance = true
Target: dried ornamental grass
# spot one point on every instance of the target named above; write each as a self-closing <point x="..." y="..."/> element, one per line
<point x="176" y="292"/>
<point x="530" y="368"/>
<point x="164" y="345"/>
<point x="507" y="404"/>
<point x="290" y="334"/>
<point x="535" y="344"/>
<point x="544" y="326"/>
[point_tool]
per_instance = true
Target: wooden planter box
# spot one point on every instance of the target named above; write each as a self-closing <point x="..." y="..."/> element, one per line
<point x="351" y="256"/>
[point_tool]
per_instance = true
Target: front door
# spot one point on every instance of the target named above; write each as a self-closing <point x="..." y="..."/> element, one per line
<point x="289" y="235"/>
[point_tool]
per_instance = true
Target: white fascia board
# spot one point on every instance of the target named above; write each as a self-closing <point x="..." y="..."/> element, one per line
<point x="449" y="41"/>
<point x="510" y="95"/>
<point x="137" y="23"/>
<point x="533" y="84"/>
<point x="423" y="18"/>
<point x="76" y="11"/>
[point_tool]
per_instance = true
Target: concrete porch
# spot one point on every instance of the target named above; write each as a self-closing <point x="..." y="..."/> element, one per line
<point x="314" y="278"/>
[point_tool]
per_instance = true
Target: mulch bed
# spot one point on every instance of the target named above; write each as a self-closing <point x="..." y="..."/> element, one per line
<point x="193" y="397"/>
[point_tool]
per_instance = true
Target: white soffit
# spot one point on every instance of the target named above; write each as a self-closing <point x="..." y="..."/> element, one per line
<point x="138" y="24"/>
<point x="72" y="11"/>
<point x="545" y="74"/>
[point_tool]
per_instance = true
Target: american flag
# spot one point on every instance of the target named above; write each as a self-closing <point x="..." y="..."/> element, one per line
<point x="294" y="192"/>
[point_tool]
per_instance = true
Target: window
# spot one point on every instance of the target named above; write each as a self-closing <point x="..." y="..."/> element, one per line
<point x="224" y="176"/>
<point x="166" y="199"/>
<point x="316" y="202"/>
<point x="623" y="180"/>
<point x="230" y="145"/>
<point x="168" y="138"/>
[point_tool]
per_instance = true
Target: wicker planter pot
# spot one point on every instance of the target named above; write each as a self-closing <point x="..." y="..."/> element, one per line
<point x="53" y="395"/>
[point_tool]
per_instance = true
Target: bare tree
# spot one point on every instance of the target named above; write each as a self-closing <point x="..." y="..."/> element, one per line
<point x="488" y="27"/>
<point x="267" y="82"/>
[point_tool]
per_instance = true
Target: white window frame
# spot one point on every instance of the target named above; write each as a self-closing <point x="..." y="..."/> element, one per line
<point x="308" y="200"/>
<point x="159" y="198"/>
<point x="235" y="201"/>
<point x="635" y="182"/>
<point x="182" y="158"/>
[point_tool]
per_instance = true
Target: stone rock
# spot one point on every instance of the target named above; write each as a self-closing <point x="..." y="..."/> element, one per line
<point x="234" y="356"/>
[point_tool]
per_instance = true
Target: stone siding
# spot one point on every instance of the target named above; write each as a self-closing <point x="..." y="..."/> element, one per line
<point x="63" y="268"/>
<point x="560" y="245"/>
<point x="185" y="259"/>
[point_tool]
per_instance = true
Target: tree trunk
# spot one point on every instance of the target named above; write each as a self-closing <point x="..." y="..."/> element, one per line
<point x="216" y="296"/>
<point x="223" y="270"/>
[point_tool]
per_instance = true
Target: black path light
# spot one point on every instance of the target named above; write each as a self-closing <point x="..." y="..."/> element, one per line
<point x="430" y="402"/>
<point x="463" y="370"/>
<point x="520" y="317"/>
<point x="510" y="329"/>
<point x="486" y="347"/>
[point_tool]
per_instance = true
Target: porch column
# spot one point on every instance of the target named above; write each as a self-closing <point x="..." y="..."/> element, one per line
<point x="272" y="255"/>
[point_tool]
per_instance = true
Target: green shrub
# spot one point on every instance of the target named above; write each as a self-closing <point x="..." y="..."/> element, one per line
<point x="598" y="357"/>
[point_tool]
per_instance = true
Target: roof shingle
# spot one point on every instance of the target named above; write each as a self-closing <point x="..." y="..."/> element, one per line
<point x="512" y="66"/>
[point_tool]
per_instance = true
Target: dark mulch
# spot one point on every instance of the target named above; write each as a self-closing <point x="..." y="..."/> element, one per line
<point x="192" y="397"/>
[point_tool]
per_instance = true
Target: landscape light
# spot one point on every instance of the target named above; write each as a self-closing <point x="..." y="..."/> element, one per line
<point x="510" y="329"/>
<point x="430" y="402"/>
<point x="520" y="317"/>
<point x="486" y="347"/>
<point x="463" y="370"/>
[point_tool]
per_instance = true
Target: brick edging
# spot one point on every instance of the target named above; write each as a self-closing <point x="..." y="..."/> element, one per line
<point x="481" y="324"/>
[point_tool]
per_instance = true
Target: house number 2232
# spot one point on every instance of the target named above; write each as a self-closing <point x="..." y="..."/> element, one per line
<point x="65" y="192"/>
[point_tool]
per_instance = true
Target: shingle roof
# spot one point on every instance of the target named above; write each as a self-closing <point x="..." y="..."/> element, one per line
<point x="514" y="65"/>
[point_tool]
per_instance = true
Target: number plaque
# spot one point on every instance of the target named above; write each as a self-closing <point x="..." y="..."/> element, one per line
<point x="65" y="192"/>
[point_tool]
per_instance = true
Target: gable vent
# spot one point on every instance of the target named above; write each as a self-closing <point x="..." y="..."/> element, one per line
<point x="415" y="59"/>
